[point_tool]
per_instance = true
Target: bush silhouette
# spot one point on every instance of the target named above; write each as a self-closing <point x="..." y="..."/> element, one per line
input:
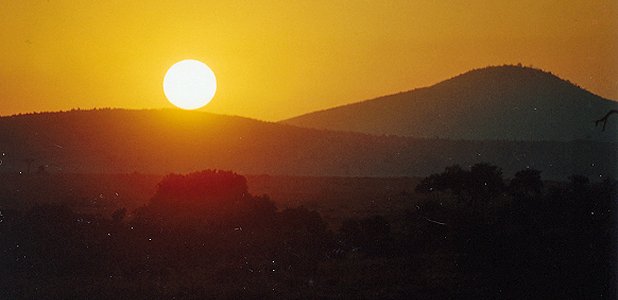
<point x="526" y="183"/>
<point x="206" y="197"/>
<point x="477" y="186"/>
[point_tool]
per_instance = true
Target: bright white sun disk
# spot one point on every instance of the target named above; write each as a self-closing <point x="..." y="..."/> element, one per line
<point x="189" y="84"/>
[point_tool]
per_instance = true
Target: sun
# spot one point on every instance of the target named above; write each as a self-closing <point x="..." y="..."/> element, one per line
<point x="189" y="84"/>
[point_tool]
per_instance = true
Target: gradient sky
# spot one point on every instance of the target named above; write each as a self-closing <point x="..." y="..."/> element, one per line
<point x="277" y="59"/>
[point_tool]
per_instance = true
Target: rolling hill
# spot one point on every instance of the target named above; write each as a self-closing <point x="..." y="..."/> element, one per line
<point x="493" y="103"/>
<point x="164" y="141"/>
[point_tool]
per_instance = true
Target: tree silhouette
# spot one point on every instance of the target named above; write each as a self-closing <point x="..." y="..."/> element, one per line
<point x="480" y="184"/>
<point x="205" y="197"/>
<point x="453" y="178"/>
<point x="605" y="118"/>
<point x="526" y="183"/>
<point x="526" y="188"/>
<point x="485" y="181"/>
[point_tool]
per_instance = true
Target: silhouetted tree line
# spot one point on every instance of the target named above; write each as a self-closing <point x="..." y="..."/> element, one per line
<point x="204" y="223"/>
<point x="202" y="235"/>
<point x="517" y="239"/>
<point x="525" y="239"/>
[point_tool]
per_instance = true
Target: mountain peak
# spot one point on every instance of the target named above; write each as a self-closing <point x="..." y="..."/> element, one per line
<point x="509" y="102"/>
<point x="519" y="75"/>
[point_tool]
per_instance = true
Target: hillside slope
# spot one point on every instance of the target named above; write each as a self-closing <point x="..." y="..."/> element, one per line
<point x="164" y="141"/>
<point x="493" y="103"/>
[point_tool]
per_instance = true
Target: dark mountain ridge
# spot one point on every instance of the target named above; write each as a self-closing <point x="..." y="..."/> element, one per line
<point x="493" y="103"/>
<point x="164" y="141"/>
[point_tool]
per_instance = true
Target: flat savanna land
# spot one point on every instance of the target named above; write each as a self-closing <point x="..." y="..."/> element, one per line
<point x="335" y="198"/>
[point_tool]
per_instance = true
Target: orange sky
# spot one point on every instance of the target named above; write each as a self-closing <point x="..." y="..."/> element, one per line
<point x="277" y="59"/>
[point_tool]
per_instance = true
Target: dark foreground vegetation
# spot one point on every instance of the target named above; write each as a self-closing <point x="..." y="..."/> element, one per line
<point x="474" y="235"/>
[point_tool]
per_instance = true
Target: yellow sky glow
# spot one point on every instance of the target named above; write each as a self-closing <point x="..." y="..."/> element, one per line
<point x="277" y="59"/>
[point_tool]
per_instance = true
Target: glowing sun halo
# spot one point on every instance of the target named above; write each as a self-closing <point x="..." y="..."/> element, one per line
<point x="189" y="84"/>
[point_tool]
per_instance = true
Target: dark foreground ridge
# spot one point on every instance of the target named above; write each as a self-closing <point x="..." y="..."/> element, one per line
<point x="164" y="141"/>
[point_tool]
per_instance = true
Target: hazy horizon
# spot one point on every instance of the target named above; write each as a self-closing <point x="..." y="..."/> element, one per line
<point x="60" y="55"/>
<point x="168" y="106"/>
